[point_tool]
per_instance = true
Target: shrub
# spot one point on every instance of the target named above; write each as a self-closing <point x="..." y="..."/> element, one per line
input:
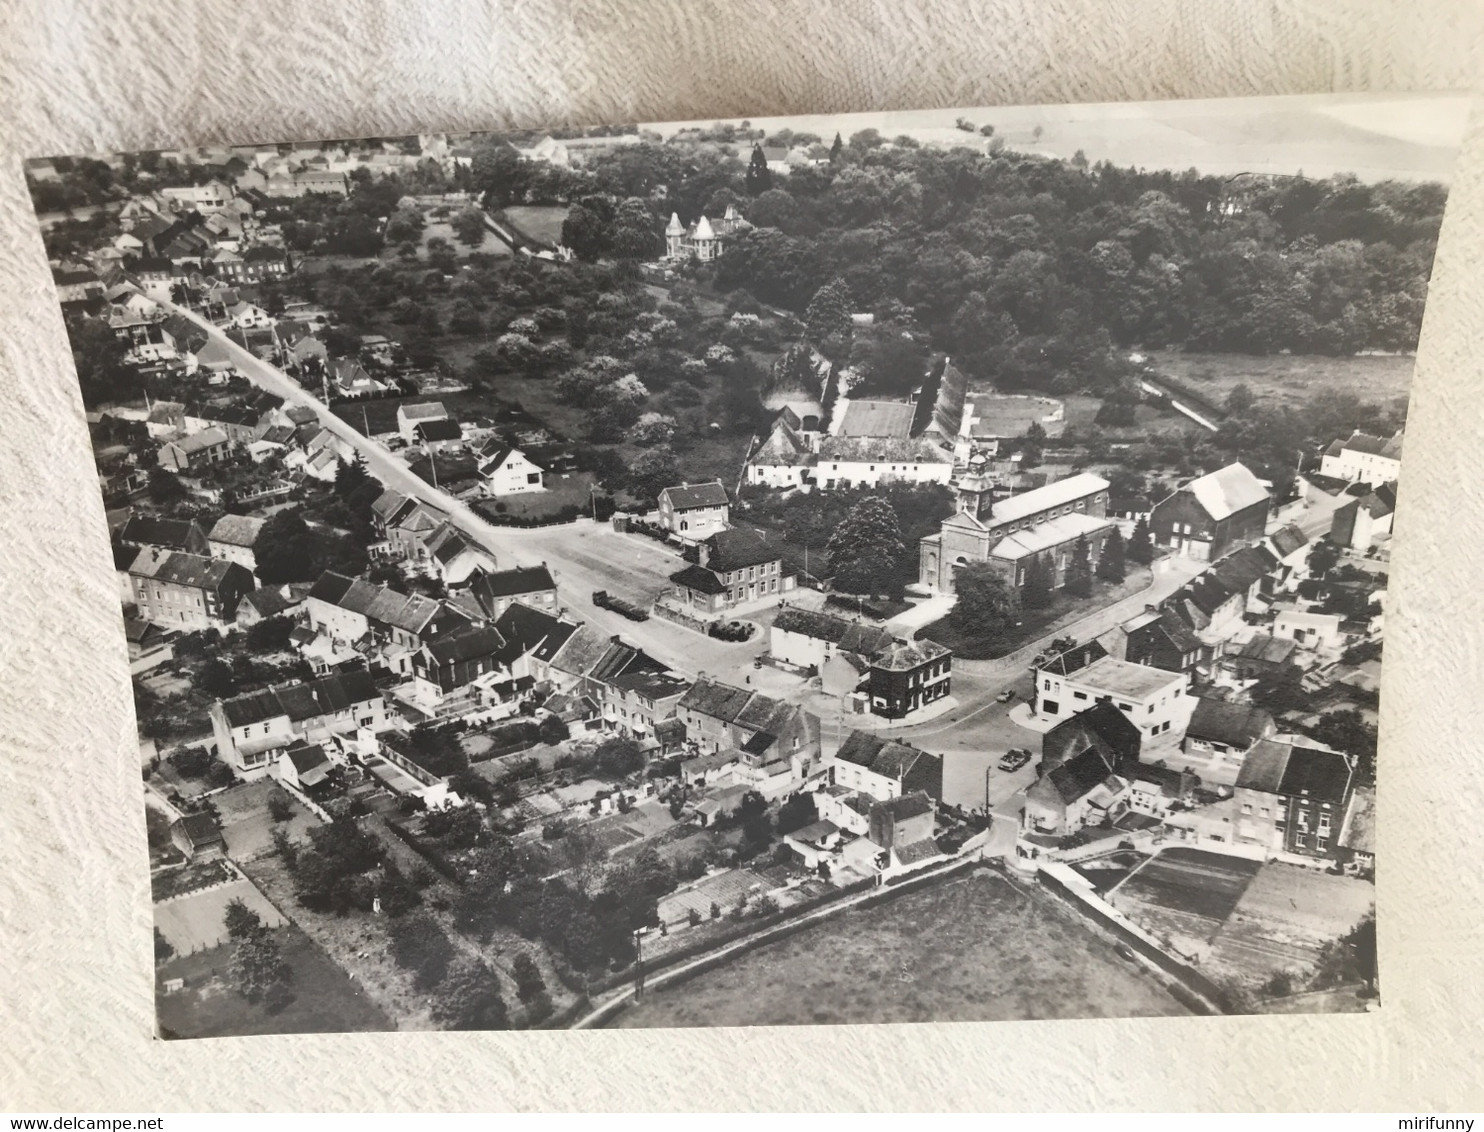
<point x="694" y="917"/>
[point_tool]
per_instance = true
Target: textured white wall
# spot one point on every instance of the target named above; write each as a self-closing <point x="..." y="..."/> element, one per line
<point x="75" y="997"/>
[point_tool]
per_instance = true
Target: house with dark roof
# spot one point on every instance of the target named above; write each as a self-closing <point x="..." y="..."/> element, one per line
<point x="907" y="676"/>
<point x="442" y="435"/>
<point x="304" y="766"/>
<point x="239" y="422"/>
<point x="736" y="567"/>
<point x="1160" y="638"/>
<point x="141" y="531"/>
<point x="636" y="702"/>
<point x="886" y="768"/>
<point x="1293" y="799"/>
<point x="719" y="717"/>
<point x="1360" y="522"/>
<point x="196" y="451"/>
<point x="902" y="820"/>
<point x="198" y="836"/>
<point x="1218" y="737"/>
<point x="492" y="592"/>
<point x="802" y="639"/>
<point x="394" y="625"/>
<point x="1102" y="726"/>
<point x="452" y="661"/>
<point x="250" y="728"/>
<point x="1212" y="515"/>
<point x="533" y="639"/>
<point x="177" y="590"/>
<point x="454" y="556"/>
<point x="693" y="512"/>
<point x="233" y="538"/>
<point x="1084" y="790"/>
<point x="268" y="602"/>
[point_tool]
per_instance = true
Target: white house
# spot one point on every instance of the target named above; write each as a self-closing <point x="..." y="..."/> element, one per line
<point x="506" y="471"/>
<point x="248" y="316"/>
<point x="1153" y="700"/>
<point x="410" y="416"/>
<point x="208" y="197"/>
<point x="695" y="511"/>
<point x="1373" y="459"/>
<point x="1309" y="630"/>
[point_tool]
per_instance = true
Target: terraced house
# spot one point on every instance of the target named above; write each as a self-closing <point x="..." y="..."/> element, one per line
<point x="250" y="728"/>
<point x="736" y="567"/>
<point x="187" y="591"/>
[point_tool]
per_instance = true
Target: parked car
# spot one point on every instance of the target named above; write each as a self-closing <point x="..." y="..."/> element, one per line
<point x="1005" y="697"/>
<point x="1015" y="758"/>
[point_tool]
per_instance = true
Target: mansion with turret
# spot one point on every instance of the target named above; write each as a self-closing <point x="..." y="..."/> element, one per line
<point x="705" y="239"/>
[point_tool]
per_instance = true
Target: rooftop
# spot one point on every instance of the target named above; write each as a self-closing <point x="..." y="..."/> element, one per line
<point x="236" y="530"/>
<point x="1227" y="490"/>
<point x="1120" y="678"/>
<point x="1044" y="536"/>
<point x="1055" y="494"/>
<point x="876" y="419"/>
<point x="688" y="497"/>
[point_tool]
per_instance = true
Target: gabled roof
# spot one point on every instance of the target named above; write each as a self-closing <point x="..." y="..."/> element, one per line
<point x="488" y="586"/>
<point x="306" y="757"/>
<point x="850" y="635"/>
<point x="236" y="530"/>
<point x="1296" y="772"/>
<point x="1101" y="725"/>
<point x="1074" y="659"/>
<point x="534" y="631"/>
<point x="150" y="530"/>
<point x="907" y="805"/>
<point x="1374" y="445"/>
<point x="689" y="497"/>
<point x="1056" y="494"/>
<point x="904" y="656"/>
<point x="699" y="579"/>
<point x="472" y="642"/>
<point x="1244" y="568"/>
<point x="1287" y="539"/>
<point x="923" y="850"/>
<point x="270" y="602"/>
<point x="1045" y="535"/>
<point x="410" y="612"/>
<point x="714" y="699"/>
<point x="738" y="547"/>
<point x="1236" y="725"/>
<point x="783" y="448"/>
<point x="876" y="419"/>
<point x="325" y="696"/>
<point x="1081" y="774"/>
<point x="199" y="829"/>
<point x="423" y="411"/>
<point x="886" y="757"/>
<point x="581" y="651"/>
<point x="1226" y="491"/>
<point x="444" y="428"/>
<point x="194" y="570"/>
<point x="1269" y="649"/>
<point x="653" y="685"/>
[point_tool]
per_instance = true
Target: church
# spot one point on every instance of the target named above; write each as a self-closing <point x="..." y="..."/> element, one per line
<point x="1045" y="523"/>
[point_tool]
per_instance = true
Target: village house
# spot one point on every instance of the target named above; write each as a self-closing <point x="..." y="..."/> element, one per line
<point x="1102" y="726"/>
<point x="351" y="380"/>
<point x="1218" y="737"/>
<point x="454" y="556"/>
<point x="187" y="591"/>
<point x="76" y="285"/>
<point x="1262" y="654"/>
<point x="165" y="419"/>
<point x="886" y="768"/>
<point x="845" y="462"/>
<point x="351" y="610"/>
<point x="1085" y="790"/>
<point x="719" y="717"/>
<point x="804" y="640"/>
<point x="1291" y="547"/>
<point x="1308" y="630"/>
<point x="198" y="836"/>
<point x="1212" y="515"/>
<point x="694" y="511"/>
<point x="410" y="416"/>
<point x="1156" y="791"/>
<point x="504" y="470"/>
<point x="1364" y="458"/>
<point x="907" y="676"/>
<point x="210" y="196"/>
<point x="140" y="531"/>
<point x="238" y="421"/>
<point x="703" y="239"/>
<point x="487" y="594"/>
<point x="454" y="666"/>
<point x="1160" y="638"/>
<point x="1153" y="700"/>
<point x="249" y="728"/>
<point x="635" y="702"/>
<point x="304" y="767"/>
<point x="1043" y="524"/>
<point x="736" y="567"/>
<point x="1358" y="834"/>
<point x="1292" y="799"/>
<point x="268" y="602"/>
<point x="902" y="820"/>
<point x="233" y="537"/>
<point x="445" y="435"/>
<point x="198" y="450"/>
<point x="1361" y="522"/>
<point x="533" y="639"/>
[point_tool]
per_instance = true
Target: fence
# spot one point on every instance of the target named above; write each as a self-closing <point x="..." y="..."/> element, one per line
<point x="685" y="620"/>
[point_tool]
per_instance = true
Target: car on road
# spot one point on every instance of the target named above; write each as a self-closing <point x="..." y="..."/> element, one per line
<point x="1005" y="697"/>
<point x="1015" y="758"/>
<point x="1125" y="952"/>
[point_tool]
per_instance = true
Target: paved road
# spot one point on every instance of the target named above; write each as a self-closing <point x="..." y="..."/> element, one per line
<point x="584" y="556"/>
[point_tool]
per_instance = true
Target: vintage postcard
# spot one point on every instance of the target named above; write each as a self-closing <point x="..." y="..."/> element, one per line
<point x="863" y="568"/>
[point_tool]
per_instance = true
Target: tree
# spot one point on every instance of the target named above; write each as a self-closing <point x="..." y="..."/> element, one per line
<point x="1323" y="557"/>
<point x="796" y="813"/>
<point x="286" y="549"/>
<point x="216" y="679"/>
<point x="1140" y="544"/>
<point x="585" y="232"/>
<point x="1038" y="584"/>
<point x="500" y="172"/>
<point x="240" y="920"/>
<point x="1240" y="400"/>
<point x="635" y="235"/>
<point x="866" y="547"/>
<point x="828" y="315"/>
<point x="419" y="945"/>
<point x="1079" y="569"/>
<point x="528" y="981"/>
<point x="469" y="999"/>
<point x="258" y="969"/>
<point x="554" y="730"/>
<point x="652" y="471"/>
<point x="351" y="476"/>
<point x="759" y="178"/>
<point x="164" y="949"/>
<point x="836" y="147"/>
<point x="1111" y="567"/>
<point x="165" y="486"/>
<point x="987" y="603"/>
<point x="468" y="226"/>
<point x="618" y="757"/>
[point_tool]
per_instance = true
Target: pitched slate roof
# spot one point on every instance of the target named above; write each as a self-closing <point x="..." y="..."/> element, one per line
<point x="689" y="497"/>
<point x="199" y="829"/>
<point x="325" y="696"/>
<point x="444" y="428"/>
<point x="698" y="578"/>
<point x="490" y="585"/>
<point x="307" y="756"/>
<point x="886" y="757"/>
<point x="904" y="656"/>
<point x="199" y="441"/>
<point x="534" y="631"/>
<point x="270" y="602"/>
<point x="1269" y="649"/>
<point x="1081" y="774"/>
<point x="179" y="568"/>
<point x="1236" y="725"/>
<point x="582" y="650"/>
<point x="653" y="685"/>
<point x="236" y="530"/>
<point x="409" y="612"/>
<point x="1227" y="490"/>
<point x="150" y="530"/>
<point x="1045" y="535"/>
<point x="876" y="419"/>
<point x="1296" y="772"/>
<point x="469" y="643"/>
<point x="1288" y="539"/>
<point x="1244" y="568"/>
<point x="738" y="547"/>
<point x="1074" y="659"/>
<point x="783" y="448"/>
<point x="1056" y="494"/>
<point x="922" y="850"/>
<point x="718" y="700"/>
<point x="907" y="805"/>
<point x="849" y="634"/>
<point x="423" y="411"/>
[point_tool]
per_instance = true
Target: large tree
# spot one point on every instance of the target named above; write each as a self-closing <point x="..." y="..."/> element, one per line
<point x="1079" y="569"/>
<point x="258" y="969"/>
<point x="1038" y="583"/>
<point x="469" y="999"/>
<point x="759" y="177"/>
<point x="866" y="547"/>
<point x="1140" y="544"/>
<point x="987" y="603"/>
<point x="1111" y="566"/>
<point x="286" y="549"/>
<point x="828" y="316"/>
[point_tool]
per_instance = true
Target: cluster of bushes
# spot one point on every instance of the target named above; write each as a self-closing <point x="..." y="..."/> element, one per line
<point x="730" y="630"/>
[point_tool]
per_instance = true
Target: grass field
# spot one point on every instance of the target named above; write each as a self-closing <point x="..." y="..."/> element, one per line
<point x="562" y="490"/>
<point x="1185" y="895"/>
<point x="972" y="949"/>
<point x="325" y="1000"/>
<point x="539" y="222"/>
<point x="1288" y="378"/>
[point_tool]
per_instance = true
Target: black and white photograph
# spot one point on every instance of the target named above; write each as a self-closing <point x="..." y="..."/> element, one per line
<point x="852" y="568"/>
